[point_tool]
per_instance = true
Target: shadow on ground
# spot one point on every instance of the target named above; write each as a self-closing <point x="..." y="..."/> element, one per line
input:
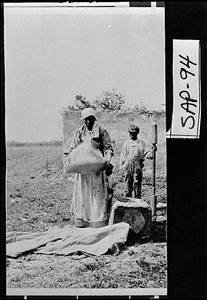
<point x="158" y="235"/>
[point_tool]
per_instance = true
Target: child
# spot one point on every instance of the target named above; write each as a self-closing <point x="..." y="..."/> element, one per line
<point x="133" y="154"/>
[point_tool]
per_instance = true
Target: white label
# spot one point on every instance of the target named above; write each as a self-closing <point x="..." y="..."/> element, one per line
<point x="186" y="90"/>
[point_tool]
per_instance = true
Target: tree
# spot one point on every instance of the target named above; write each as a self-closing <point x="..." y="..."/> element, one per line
<point x="79" y="103"/>
<point x="110" y="100"/>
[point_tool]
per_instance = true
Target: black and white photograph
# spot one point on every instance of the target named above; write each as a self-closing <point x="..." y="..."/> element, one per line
<point x="85" y="122"/>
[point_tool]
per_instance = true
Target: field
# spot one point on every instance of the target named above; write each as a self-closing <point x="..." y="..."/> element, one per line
<point x="38" y="199"/>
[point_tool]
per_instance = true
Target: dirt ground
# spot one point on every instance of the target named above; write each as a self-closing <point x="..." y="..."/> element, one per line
<point x="38" y="199"/>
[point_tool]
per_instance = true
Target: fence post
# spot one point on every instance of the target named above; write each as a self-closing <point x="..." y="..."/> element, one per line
<point x="153" y="201"/>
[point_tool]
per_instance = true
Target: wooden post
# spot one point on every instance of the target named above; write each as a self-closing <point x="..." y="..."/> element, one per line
<point x="153" y="203"/>
<point x="47" y="167"/>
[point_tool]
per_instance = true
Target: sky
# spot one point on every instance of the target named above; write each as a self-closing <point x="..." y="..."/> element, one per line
<point x="53" y="54"/>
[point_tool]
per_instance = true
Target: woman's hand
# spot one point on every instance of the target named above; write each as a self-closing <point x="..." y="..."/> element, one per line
<point x="109" y="169"/>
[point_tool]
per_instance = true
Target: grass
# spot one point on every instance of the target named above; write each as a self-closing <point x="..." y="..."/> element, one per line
<point x="38" y="198"/>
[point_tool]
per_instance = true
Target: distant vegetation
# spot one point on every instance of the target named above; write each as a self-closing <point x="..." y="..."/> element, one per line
<point x="109" y="100"/>
<point x="19" y="144"/>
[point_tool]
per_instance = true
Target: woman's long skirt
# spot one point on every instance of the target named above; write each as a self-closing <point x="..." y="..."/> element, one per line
<point x="89" y="202"/>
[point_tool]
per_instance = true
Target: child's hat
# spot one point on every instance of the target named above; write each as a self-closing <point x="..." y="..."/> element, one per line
<point x="133" y="128"/>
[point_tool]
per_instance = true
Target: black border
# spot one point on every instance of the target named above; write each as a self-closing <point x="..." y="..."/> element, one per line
<point x="3" y="162"/>
<point x="186" y="169"/>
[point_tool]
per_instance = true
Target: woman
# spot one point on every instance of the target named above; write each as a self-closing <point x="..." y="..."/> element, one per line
<point x="89" y="202"/>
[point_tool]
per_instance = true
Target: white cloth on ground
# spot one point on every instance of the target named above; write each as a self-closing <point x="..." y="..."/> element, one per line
<point x="68" y="240"/>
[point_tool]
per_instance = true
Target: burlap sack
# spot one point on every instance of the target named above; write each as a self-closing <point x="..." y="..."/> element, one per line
<point x="85" y="159"/>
